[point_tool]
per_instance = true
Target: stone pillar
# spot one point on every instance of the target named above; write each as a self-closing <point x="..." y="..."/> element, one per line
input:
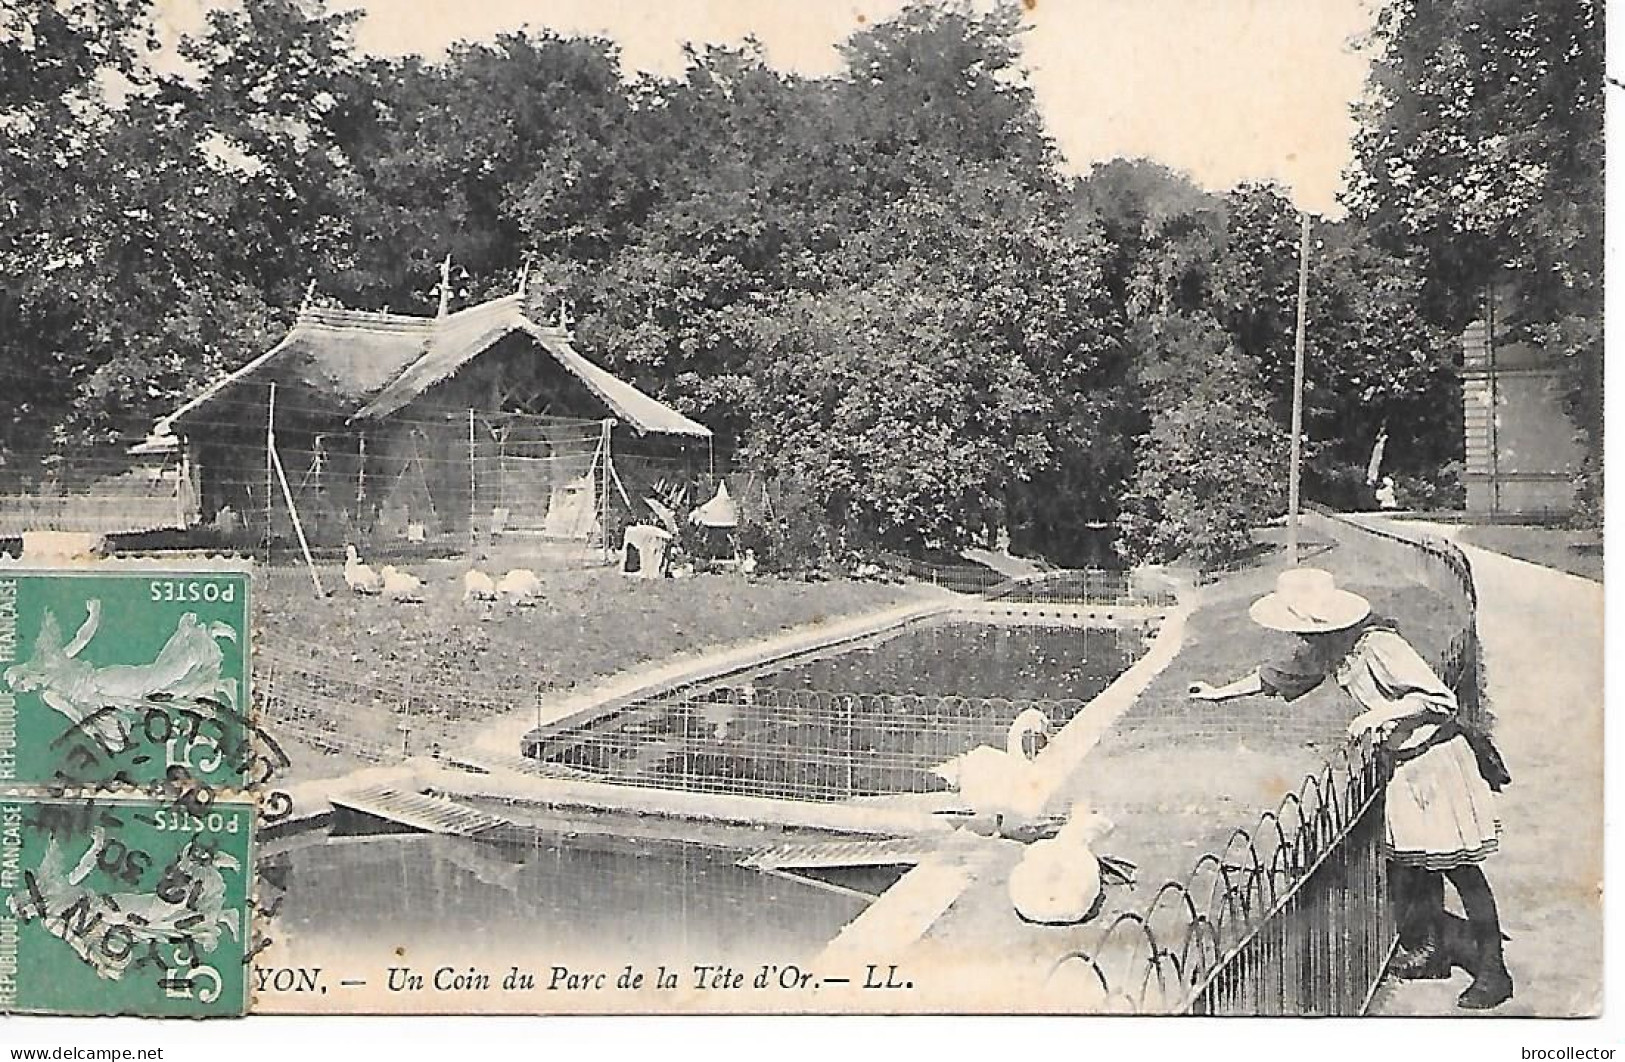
<point x="1478" y="418"/>
<point x="1522" y="449"/>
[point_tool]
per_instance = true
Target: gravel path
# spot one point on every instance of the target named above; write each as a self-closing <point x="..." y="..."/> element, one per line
<point x="1542" y="634"/>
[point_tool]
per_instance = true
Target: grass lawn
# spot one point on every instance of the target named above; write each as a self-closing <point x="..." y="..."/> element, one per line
<point x="444" y="666"/>
<point x="1576" y="552"/>
<point x="1178" y="777"/>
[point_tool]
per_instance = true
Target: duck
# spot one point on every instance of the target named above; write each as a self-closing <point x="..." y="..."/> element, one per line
<point x="401" y="586"/>
<point x="520" y="585"/>
<point x="360" y="577"/>
<point x="1060" y="881"/>
<point x="477" y="586"/>
<point x="1000" y="782"/>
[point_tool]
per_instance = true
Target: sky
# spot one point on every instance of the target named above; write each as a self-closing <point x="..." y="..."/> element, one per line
<point x="1225" y="90"/>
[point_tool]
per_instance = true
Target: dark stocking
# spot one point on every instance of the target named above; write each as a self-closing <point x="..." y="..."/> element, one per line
<point x="1476" y="898"/>
<point x="1492" y="985"/>
<point x="1418" y="897"/>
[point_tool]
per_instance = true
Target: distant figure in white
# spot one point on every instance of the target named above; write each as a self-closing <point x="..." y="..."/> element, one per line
<point x="1387" y="497"/>
<point x="1001" y="782"/>
<point x="109" y="701"/>
<point x="1059" y="881"/>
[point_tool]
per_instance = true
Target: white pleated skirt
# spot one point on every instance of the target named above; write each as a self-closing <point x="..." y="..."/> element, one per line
<point x="1440" y="811"/>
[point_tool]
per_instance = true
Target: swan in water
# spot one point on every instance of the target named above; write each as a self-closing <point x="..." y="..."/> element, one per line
<point x="1059" y="881"/>
<point x="1001" y="782"/>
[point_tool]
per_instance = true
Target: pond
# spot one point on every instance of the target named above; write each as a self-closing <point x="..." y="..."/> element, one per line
<point x="863" y="721"/>
<point x="955" y="658"/>
<point x="564" y="897"/>
<point x="867" y="720"/>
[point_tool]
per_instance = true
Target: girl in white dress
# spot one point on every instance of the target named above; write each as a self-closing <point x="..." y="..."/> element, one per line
<point x="1439" y="808"/>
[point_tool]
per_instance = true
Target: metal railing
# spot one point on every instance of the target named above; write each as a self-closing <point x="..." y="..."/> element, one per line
<point x="1440" y="566"/>
<point x="1062" y="586"/>
<point x="1289" y="918"/>
<point x="1292" y="917"/>
<point x="382" y="720"/>
<point x="1085" y="586"/>
<point x="789" y="743"/>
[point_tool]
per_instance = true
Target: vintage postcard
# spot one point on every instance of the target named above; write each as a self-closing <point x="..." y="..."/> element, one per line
<point x="892" y="506"/>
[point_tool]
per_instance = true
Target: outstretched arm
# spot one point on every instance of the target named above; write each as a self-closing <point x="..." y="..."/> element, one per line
<point x="1245" y="686"/>
<point x="87" y="630"/>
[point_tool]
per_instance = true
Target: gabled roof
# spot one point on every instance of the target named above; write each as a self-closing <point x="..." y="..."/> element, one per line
<point x="350" y="354"/>
<point x="382" y="362"/>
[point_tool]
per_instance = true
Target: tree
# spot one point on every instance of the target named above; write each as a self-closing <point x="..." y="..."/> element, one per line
<point x="1165" y="235"/>
<point x="1209" y="470"/>
<point x="1480" y="154"/>
<point x="1373" y="362"/>
<point x="281" y="98"/>
<point x="516" y="152"/>
<point x="909" y="427"/>
<point x="770" y="184"/>
<point x="113" y="299"/>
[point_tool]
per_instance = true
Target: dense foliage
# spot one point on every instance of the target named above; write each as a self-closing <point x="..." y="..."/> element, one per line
<point x="1480" y="160"/>
<point x="880" y="286"/>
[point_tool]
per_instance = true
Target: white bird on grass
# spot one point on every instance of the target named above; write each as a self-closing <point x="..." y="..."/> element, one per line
<point x="477" y="586"/>
<point x="1059" y="881"/>
<point x="401" y="586"/>
<point x="360" y="577"/>
<point x="1001" y="782"/>
<point x="520" y="586"/>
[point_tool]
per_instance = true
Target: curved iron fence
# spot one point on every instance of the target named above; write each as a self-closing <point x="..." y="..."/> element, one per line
<point x="1437" y="564"/>
<point x="1287" y="919"/>
<point x="1292" y="916"/>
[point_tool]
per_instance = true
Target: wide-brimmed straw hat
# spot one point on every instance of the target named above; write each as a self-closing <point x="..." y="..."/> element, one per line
<point x="1307" y="601"/>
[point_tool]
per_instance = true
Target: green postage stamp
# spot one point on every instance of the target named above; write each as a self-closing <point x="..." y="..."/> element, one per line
<point x="124" y="676"/>
<point x="122" y="905"/>
<point x="126" y="757"/>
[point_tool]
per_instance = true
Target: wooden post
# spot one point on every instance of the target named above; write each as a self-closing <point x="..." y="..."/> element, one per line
<point x="270" y="464"/>
<point x="603" y="515"/>
<point x="473" y="500"/>
<point x="1492" y="425"/>
<point x="1294" y="474"/>
<point x="274" y="471"/>
<point x="592" y="478"/>
<point x="183" y="485"/>
<point x="298" y="527"/>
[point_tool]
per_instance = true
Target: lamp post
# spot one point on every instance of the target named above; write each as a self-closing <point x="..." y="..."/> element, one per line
<point x="1293" y="473"/>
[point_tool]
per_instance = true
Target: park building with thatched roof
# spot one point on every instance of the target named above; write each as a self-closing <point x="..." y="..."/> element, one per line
<point x="371" y="428"/>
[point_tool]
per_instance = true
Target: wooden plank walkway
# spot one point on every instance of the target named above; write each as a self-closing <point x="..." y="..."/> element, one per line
<point x="419" y="811"/>
<point x="804" y="856"/>
<point x="488" y="762"/>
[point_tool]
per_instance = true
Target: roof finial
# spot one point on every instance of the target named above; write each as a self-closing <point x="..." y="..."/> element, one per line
<point x="445" y="285"/>
<point x="310" y="296"/>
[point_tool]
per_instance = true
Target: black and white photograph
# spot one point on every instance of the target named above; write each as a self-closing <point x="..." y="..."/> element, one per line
<point x="861" y="507"/>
